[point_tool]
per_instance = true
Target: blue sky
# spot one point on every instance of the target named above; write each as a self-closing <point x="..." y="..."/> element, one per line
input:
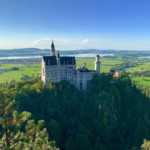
<point x="75" y="24"/>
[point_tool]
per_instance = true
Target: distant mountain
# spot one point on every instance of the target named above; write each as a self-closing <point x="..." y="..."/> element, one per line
<point x="21" y="52"/>
<point x="41" y="52"/>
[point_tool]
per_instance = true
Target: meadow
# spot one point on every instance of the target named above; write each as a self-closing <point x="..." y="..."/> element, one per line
<point x="31" y="69"/>
<point x="141" y="81"/>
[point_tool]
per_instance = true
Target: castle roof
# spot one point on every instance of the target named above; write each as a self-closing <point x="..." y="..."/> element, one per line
<point x="111" y="70"/>
<point x="52" y="60"/>
<point x="83" y="69"/>
<point x="67" y="60"/>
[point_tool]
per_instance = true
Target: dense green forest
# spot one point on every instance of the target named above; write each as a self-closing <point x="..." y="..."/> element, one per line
<point x="112" y="114"/>
<point x="19" y="131"/>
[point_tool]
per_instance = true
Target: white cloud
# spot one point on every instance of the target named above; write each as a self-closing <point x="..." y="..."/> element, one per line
<point x="63" y="40"/>
<point x="40" y="41"/>
<point x="85" y="41"/>
<point x="67" y="44"/>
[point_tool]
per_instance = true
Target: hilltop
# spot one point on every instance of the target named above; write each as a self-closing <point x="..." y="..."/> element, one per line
<point x="111" y="115"/>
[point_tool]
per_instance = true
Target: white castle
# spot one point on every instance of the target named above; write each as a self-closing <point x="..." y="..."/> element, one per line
<point x="57" y="68"/>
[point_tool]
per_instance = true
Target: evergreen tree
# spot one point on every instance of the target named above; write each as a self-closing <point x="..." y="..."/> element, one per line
<point x="146" y="145"/>
<point x="18" y="132"/>
<point x="55" y="131"/>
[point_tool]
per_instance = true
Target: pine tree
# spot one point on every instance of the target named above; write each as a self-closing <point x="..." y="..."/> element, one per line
<point x="146" y="145"/>
<point x="18" y="132"/>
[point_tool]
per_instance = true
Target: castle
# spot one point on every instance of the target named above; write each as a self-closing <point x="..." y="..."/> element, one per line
<point x="56" y="68"/>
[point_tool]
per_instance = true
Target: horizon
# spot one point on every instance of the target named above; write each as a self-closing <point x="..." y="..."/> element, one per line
<point x="117" y="25"/>
<point x="74" y="49"/>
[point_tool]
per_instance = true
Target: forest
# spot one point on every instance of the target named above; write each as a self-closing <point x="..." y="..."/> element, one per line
<point x="112" y="115"/>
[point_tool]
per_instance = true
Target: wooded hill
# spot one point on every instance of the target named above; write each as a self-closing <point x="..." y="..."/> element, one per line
<point x="112" y="115"/>
<point x="41" y="52"/>
<point x="126" y="54"/>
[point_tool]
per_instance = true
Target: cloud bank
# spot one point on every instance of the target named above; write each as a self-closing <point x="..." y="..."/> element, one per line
<point x="84" y="42"/>
<point x="36" y="42"/>
<point x="67" y="43"/>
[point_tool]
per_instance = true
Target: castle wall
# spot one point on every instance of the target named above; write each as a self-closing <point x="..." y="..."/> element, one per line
<point x="43" y="72"/>
<point x="83" y="78"/>
<point x="67" y="72"/>
<point x="55" y="72"/>
<point x="51" y="73"/>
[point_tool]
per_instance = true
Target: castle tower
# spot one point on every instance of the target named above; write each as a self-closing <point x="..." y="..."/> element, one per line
<point x="58" y="59"/>
<point x="58" y="55"/>
<point x="58" y="67"/>
<point x="97" y="64"/>
<point x="52" y="49"/>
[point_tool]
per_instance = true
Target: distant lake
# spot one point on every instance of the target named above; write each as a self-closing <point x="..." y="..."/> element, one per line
<point x="34" y="57"/>
<point x="147" y="57"/>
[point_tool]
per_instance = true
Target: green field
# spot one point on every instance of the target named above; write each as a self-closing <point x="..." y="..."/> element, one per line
<point x="142" y="81"/>
<point x="7" y="73"/>
<point x="145" y="65"/>
<point x="29" y="70"/>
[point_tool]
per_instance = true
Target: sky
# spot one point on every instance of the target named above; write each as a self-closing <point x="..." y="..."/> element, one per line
<point x="75" y="24"/>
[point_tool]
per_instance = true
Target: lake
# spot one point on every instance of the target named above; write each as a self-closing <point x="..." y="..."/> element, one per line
<point x="34" y="57"/>
<point x="144" y="57"/>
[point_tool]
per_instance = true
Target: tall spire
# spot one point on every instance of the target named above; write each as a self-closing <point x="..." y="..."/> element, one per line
<point x="58" y="55"/>
<point x="52" y="49"/>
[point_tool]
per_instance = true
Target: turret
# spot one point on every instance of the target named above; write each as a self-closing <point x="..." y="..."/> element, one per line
<point x="97" y="64"/>
<point x="58" y="59"/>
<point x="58" y="55"/>
<point x="52" y="49"/>
<point x="84" y="65"/>
<point x="58" y="68"/>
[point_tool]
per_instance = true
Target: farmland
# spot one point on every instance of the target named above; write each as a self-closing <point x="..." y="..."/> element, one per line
<point x="140" y="80"/>
<point x="8" y="73"/>
<point x="15" y="70"/>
